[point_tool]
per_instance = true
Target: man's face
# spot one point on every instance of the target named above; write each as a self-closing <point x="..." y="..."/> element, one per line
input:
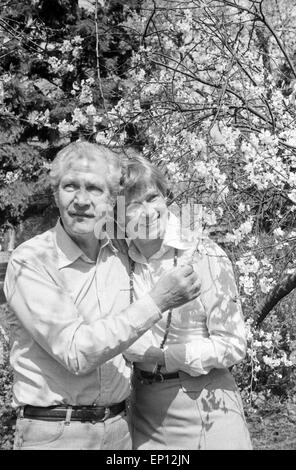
<point x="146" y="214"/>
<point x="82" y="196"/>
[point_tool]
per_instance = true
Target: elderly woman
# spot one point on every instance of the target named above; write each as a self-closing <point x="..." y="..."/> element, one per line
<point x="184" y="396"/>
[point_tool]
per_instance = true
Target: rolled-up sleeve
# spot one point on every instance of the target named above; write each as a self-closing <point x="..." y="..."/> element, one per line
<point x="48" y="313"/>
<point x="143" y="350"/>
<point x="226" y="344"/>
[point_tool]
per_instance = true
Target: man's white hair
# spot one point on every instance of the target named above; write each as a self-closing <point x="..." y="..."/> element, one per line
<point x="91" y="152"/>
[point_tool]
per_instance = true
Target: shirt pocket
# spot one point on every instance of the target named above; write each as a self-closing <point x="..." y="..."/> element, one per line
<point x="114" y="300"/>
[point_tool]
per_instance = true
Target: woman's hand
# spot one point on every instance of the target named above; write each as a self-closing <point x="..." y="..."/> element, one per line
<point x="176" y="287"/>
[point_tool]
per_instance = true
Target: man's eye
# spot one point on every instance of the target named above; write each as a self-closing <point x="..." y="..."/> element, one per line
<point x="95" y="189"/>
<point x="70" y="187"/>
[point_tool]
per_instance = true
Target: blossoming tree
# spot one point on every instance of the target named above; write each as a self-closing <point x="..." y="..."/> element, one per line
<point x="206" y="89"/>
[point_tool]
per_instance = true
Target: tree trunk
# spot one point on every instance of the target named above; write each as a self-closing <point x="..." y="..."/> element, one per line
<point x="283" y="288"/>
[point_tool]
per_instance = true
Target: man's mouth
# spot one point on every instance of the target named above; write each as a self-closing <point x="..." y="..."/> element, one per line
<point x="81" y="215"/>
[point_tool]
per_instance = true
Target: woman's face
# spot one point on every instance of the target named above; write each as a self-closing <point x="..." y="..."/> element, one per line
<point x="146" y="214"/>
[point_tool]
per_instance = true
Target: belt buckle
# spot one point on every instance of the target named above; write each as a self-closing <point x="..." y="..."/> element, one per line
<point x="107" y="414"/>
<point x="158" y="377"/>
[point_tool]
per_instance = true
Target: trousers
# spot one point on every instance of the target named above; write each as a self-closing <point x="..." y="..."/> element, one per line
<point x="112" y="434"/>
<point x="196" y="413"/>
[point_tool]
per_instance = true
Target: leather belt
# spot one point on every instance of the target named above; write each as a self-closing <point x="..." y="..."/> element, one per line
<point x="159" y="377"/>
<point x="73" y="413"/>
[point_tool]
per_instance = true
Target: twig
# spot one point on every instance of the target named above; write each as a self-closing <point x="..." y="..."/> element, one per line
<point x="98" y="57"/>
<point x="148" y="23"/>
<point x="279" y="43"/>
<point x="217" y="86"/>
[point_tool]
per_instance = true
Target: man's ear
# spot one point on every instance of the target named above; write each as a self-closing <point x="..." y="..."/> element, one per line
<point x="55" y="196"/>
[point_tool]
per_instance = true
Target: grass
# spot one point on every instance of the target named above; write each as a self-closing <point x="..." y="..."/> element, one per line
<point x="273" y="426"/>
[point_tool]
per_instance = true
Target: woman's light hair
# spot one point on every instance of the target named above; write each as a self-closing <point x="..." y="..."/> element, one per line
<point x="140" y="173"/>
<point x="90" y="152"/>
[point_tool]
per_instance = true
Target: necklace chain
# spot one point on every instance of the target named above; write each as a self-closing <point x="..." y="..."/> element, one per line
<point x="157" y="368"/>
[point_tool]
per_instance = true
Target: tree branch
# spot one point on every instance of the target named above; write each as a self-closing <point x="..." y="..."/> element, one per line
<point x="217" y="86"/>
<point x="282" y="289"/>
<point x="98" y="57"/>
<point x="148" y="23"/>
<point x="279" y="43"/>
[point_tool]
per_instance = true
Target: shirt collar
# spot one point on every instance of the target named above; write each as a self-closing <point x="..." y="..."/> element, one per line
<point x="175" y="237"/>
<point x="68" y="251"/>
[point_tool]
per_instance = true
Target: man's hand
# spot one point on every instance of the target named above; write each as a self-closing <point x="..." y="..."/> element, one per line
<point x="175" y="288"/>
<point x="154" y="355"/>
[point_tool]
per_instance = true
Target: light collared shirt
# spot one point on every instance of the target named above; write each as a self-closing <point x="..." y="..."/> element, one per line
<point x="206" y="333"/>
<point x="70" y="321"/>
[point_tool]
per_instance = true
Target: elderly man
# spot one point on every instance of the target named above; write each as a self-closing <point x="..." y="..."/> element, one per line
<point x="71" y="317"/>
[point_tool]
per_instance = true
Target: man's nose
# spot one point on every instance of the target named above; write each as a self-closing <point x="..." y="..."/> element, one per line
<point x="82" y="198"/>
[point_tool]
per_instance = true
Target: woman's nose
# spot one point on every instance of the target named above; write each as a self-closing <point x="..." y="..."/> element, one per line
<point x="147" y="209"/>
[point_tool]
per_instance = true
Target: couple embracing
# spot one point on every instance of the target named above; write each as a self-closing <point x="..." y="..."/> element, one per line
<point x="121" y="343"/>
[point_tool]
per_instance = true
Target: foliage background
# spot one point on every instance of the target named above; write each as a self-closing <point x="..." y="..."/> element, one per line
<point x="206" y="89"/>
